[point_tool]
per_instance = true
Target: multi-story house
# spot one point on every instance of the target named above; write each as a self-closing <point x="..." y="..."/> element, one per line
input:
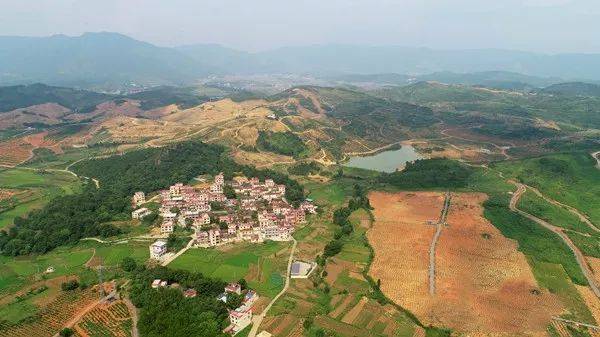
<point x="158" y="249"/>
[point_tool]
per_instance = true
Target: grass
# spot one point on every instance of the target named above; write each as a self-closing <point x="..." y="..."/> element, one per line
<point x="558" y="216"/>
<point x="44" y="186"/>
<point x="332" y="194"/>
<point x="235" y="262"/>
<point x="570" y="178"/>
<point x="15" y="272"/>
<point x="589" y="245"/>
<point x="554" y="278"/>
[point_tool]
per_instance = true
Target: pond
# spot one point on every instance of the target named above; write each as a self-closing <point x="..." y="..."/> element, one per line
<point x="386" y="161"/>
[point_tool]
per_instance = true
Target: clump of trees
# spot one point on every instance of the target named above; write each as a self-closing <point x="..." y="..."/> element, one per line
<point x="286" y="143"/>
<point x="430" y="173"/>
<point x="69" y="285"/>
<point x="303" y="169"/>
<point x="341" y="218"/>
<point x="166" y="312"/>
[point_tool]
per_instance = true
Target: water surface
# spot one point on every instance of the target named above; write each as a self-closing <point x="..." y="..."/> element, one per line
<point x="386" y="161"/>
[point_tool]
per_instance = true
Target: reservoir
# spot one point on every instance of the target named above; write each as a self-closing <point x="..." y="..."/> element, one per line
<point x="386" y="161"/>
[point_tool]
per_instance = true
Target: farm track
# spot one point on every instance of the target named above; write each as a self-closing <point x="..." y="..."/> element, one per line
<point x="440" y="224"/>
<point x="587" y="272"/>
<point x="257" y="320"/>
<point x="571" y="209"/>
<point x="134" y="317"/>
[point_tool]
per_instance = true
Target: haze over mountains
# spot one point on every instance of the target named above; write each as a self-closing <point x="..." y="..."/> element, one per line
<point x="111" y="58"/>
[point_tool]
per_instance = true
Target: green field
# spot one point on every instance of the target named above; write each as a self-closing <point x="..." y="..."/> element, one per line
<point x="570" y="178"/>
<point x="235" y="262"/>
<point x="18" y="271"/>
<point x="44" y="186"/>
<point x="556" y="215"/>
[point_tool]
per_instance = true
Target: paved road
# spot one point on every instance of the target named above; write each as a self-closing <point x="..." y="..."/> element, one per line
<point x="256" y="320"/>
<point x="587" y="272"/>
<point x="440" y="224"/>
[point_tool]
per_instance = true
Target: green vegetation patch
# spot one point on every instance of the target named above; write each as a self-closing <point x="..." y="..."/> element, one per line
<point x="556" y="215"/>
<point x="430" y="173"/>
<point x="570" y="178"/>
<point x="286" y="143"/>
<point x="261" y="264"/>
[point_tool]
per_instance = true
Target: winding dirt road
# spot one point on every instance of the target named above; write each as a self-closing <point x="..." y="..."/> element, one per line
<point x="587" y="272"/>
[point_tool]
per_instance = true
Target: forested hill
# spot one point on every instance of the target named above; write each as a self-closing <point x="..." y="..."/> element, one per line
<point x="156" y="168"/>
<point x="67" y="219"/>
<point x="22" y="96"/>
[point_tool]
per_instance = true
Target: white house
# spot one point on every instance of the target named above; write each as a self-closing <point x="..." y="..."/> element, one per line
<point x="239" y="318"/>
<point x="167" y="227"/>
<point x="139" y="198"/>
<point x="140" y="213"/>
<point x="158" y="249"/>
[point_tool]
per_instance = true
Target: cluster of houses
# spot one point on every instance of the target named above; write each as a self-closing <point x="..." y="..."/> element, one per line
<point x="258" y="212"/>
<point x="239" y="318"/>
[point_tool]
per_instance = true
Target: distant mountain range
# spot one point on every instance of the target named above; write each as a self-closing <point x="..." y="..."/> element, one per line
<point x="114" y="59"/>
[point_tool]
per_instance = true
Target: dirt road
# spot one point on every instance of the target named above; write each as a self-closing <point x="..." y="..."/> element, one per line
<point x="587" y="272"/>
<point x="440" y="224"/>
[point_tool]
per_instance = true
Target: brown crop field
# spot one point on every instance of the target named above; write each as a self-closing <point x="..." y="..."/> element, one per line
<point x="106" y="319"/>
<point x="54" y="316"/>
<point x="483" y="284"/>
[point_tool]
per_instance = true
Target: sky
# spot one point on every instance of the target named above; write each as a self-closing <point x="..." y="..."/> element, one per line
<point x="548" y="26"/>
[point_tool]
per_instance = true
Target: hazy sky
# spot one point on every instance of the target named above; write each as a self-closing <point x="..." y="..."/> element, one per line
<point x="535" y="25"/>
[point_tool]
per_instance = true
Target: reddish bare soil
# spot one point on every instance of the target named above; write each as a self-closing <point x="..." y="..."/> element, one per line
<point x="47" y="113"/>
<point x="483" y="284"/>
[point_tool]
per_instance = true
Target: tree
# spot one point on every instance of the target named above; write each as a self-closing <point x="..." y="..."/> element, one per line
<point x="69" y="285"/>
<point x="308" y="322"/>
<point x="242" y="282"/>
<point x="229" y="192"/>
<point x="128" y="264"/>
<point x="234" y="300"/>
<point x="66" y="332"/>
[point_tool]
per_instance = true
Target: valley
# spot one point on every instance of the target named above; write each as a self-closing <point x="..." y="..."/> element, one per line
<point x="377" y="163"/>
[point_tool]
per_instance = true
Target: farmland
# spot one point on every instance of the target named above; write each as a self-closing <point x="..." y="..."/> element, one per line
<point x="106" y="319"/>
<point x="57" y="313"/>
<point x="338" y="295"/>
<point x="263" y="266"/>
<point x="487" y="284"/>
<point x="35" y="189"/>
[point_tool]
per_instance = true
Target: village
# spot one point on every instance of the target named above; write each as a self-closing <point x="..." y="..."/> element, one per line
<point x="226" y="212"/>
